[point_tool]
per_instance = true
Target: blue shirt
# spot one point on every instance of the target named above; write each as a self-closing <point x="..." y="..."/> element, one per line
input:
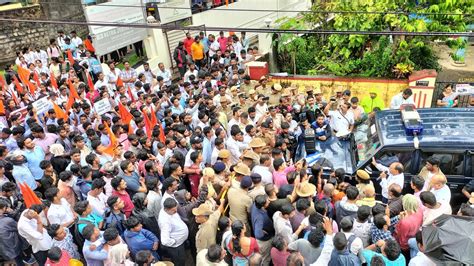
<point x="93" y="218"/>
<point x="11" y="144"/>
<point x="34" y="158"/>
<point x="133" y="181"/>
<point x="262" y="224"/>
<point x="97" y="256"/>
<point x="206" y="151"/>
<point x="368" y="254"/>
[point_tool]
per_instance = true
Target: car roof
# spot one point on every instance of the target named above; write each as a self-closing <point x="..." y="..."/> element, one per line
<point x="442" y="127"/>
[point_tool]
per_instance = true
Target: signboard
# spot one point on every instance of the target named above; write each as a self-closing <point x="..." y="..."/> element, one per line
<point x="103" y="106"/>
<point x="423" y="83"/>
<point x="22" y="112"/>
<point x="169" y="14"/>
<point x="42" y="105"/>
<point x="108" y="39"/>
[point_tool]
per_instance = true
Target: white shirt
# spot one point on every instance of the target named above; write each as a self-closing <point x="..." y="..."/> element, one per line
<point x="60" y="214"/>
<point x="260" y="110"/>
<point x="28" y="229"/>
<point x="76" y="41"/>
<point x="149" y="76"/>
<point x="98" y="204"/>
<point x="173" y="230"/>
<point x="165" y="196"/>
<point x="283" y="227"/>
<point x="189" y="73"/>
<point x="267" y="176"/>
<point x="213" y="48"/>
<point x="442" y="194"/>
<point x="398" y="100"/>
<point x="214" y="155"/>
<point x="166" y="74"/>
<point x="340" y="122"/>
<point x="235" y="148"/>
<point x="391" y="179"/>
<point x="421" y="260"/>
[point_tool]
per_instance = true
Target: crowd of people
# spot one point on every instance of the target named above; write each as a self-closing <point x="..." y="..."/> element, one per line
<point x="202" y="169"/>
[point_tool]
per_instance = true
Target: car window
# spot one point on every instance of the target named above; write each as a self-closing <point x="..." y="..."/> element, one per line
<point x="450" y="163"/>
<point x="388" y="157"/>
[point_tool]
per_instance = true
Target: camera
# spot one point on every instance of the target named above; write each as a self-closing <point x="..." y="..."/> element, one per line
<point x="266" y="98"/>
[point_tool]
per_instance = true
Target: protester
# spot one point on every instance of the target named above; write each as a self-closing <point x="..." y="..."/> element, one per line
<point x="200" y="168"/>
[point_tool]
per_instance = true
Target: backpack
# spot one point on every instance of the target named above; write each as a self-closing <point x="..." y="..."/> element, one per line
<point x="77" y="236"/>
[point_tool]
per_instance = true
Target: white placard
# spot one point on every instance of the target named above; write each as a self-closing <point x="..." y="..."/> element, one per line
<point x="42" y="105"/>
<point x="108" y="39"/>
<point x="103" y="106"/>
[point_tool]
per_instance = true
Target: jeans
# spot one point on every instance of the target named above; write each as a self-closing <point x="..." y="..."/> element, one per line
<point x="413" y="247"/>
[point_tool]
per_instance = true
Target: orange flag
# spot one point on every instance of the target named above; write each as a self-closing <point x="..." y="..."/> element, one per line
<point x="59" y="112"/>
<point x="154" y="122"/>
<point x="148" y="126"/>
<point x="29" y="196"/>
<point x="89" y="81"/>
<point x="119" y="82"/>
<point x="70" y="102"/>
<point x="70" y="58"/>
<point x="125" y="115"/>
<point x="54" y="84"/>
<point x="113" y="141"/>
<point x="72" y="90"/>
<point x="2" y="108"/>
<point x="2" y="82"/>
<point x="17" y="84"/>
<point x="36" y="78"/>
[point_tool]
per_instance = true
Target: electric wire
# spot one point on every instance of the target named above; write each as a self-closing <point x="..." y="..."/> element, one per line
<point x="268" y="10"/>
<point x="253" y="30"/>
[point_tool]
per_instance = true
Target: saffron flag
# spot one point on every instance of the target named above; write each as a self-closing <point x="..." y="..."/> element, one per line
<point x="2" y="108"/>
<point x="125" y="115"/>
<point x="154" y="122"/>
<point x="148" y="126"/>
<point x="70" y="58"/>
<point x="113" y="141"/>
<point x="36" y="78"/>
<point x="2" y="82"/>
<point x="72" y="90"/>
<point x="89" y="82"/>
<point x="119" y="82"/>
<point x="54" y="84"/>
<point x="59" y="112"/>
<point x="18" y="86"/>
<point x="29" y="196"/>
<point x="24" y="75"/>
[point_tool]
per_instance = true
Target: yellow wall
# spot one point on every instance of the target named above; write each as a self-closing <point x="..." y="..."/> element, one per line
<point x="359" y="87"/>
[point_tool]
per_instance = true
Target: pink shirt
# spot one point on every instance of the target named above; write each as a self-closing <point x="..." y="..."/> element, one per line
<point x="63" y="261"/>
<point x="48" y="140"/>
<point x="279" y="178"/>
<point x="407" y="228"/>
<point x="279" y="257"/>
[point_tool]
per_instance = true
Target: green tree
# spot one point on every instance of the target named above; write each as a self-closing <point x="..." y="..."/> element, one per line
<point x="379" y="56"/>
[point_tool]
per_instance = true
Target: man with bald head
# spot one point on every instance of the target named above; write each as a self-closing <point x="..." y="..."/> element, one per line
<point x="439" y="188"/>
<point x="395" y="199"/>
<point x="389" y="175"/>
<point x="369" y="197"/>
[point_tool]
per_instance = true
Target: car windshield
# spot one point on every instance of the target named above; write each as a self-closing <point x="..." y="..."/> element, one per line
<point x="366" y="139"/>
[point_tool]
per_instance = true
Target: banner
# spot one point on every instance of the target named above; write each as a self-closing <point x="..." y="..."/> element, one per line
<point x="108" y="39"/>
